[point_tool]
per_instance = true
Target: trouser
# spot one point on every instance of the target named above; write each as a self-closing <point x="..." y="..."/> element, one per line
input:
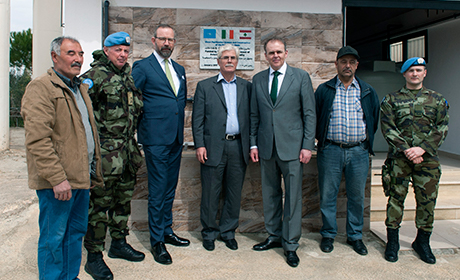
<point x="283" y="224"/>
<point x="62" y="227"/>
<point x="425" y="181"/>
<point x="110" y="207"/>
<point x="353" y="163"/>
<point x="227" y="175"/>
<point x="163" y="164"/>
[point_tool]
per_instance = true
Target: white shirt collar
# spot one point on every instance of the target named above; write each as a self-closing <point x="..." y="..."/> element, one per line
<point x="282" y="70"/>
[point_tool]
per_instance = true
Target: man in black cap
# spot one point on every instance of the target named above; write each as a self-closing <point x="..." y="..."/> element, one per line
<point x="347" y="112"/>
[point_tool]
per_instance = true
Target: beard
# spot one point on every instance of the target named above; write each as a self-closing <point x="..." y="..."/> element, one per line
<point x="165" y="52"/>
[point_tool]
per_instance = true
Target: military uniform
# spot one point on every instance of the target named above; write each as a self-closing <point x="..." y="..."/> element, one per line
<point x="413" y="119"/>
<point x="117" y="105"/>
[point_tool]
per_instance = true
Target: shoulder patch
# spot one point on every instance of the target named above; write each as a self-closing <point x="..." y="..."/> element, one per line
<point x="89" y="82"/>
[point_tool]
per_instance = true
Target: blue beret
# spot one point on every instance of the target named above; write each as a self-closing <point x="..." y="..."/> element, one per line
<point x="412" y="62"/>
<point x="119" y="38"/>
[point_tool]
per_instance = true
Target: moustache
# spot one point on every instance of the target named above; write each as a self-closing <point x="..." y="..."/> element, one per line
<point x="75" y="64"/>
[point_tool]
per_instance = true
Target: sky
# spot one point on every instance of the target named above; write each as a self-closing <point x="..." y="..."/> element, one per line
<point x="21" y="14"/>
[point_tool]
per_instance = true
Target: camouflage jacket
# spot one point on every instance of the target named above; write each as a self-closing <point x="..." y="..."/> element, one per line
<point x="117" y="105"/>
<point x="409" y="120"/>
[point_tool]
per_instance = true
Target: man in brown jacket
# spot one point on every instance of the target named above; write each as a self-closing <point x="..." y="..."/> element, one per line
<point x="63" y="158"/>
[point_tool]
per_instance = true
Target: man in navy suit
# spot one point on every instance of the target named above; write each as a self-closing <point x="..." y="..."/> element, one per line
<point x="161" y="131"/>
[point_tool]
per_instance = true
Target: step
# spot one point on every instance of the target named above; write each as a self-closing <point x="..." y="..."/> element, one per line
<point x="447" y="205"/>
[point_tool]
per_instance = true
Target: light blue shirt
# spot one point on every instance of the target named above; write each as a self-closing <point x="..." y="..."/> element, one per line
<point x="231" y="101"/>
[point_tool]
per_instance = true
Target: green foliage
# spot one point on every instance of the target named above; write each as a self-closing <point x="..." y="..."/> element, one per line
<point x="20" y="71"/>
<point x="21" y="49"/>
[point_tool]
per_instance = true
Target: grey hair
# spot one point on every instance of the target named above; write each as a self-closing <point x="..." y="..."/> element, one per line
<point x="228" y="47"/>
<point x="57" y="42"/>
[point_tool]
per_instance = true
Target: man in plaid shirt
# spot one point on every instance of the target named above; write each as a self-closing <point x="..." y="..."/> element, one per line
<point x="347" y="112"/>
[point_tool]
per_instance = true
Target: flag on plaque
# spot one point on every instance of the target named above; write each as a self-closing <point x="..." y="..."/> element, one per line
<point x="246" y="34"/>
<point x="209" y="33"/>
<point x="228" y="34"/>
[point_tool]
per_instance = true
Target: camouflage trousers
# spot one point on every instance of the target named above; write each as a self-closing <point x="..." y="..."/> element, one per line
<point x="425" y="181"/>
<point x="109" y="207"/>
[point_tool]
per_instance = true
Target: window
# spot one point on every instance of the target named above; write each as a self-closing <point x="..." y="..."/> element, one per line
<point x="402" y="48"/>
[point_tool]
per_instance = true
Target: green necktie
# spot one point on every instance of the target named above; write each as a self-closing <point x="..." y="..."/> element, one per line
<point x="274" y="90"/>
<point x="169" y="76"/>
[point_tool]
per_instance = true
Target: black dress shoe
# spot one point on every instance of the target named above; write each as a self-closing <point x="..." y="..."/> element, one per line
<point x="175" y="240"/>
<point x="358" y="246"/>
<point x="160" y="254"/>
<point x="266" y="245"/>
<point x="208" y="244"/>
<point x="327" y="244"/>
<point x="231" y="243"/>
<point x="291" y="258"/>
<point x="122" y="250"/>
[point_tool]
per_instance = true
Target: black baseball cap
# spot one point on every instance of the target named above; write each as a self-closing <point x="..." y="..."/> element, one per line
<point x="347" y="50"/>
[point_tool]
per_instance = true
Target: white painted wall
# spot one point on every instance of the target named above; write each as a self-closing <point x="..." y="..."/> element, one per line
<point x="300" y="6"/>
<point x="83" y="21"/>
<point x="443" y="75"/>
<point x="4" y="74"/>
<point x="47" y="26"/>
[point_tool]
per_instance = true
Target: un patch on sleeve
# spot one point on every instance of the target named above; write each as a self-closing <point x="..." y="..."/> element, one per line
<point x="89" y="82"/>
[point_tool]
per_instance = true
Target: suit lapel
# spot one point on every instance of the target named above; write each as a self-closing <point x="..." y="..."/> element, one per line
<point x="220" y="91"/>
<point x="157" y="67"/>
<point x="180" y="76"/>
<point x="265" y="82"/>
<point x="239" y="91"/>
<point x="287" y="81"/>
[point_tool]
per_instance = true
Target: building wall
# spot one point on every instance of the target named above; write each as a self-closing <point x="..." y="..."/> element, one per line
<point x="312" y="39"/>
<point x="442" y="67"/>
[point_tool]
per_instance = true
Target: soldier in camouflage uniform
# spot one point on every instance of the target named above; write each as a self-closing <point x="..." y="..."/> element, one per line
<point x="117" y="105"/>
<point x="414" y="123"/>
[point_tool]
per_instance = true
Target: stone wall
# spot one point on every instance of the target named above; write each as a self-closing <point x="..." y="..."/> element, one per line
<point x="312" y="39"/>
<point x="312" y="43"/>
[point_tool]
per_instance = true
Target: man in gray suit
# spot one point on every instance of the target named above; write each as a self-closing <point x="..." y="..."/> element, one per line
<point x="220" y="123"/>
<point x="283" y="125"/>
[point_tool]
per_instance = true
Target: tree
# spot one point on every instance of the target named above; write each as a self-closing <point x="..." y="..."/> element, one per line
<point x="21" y="49"/>
<point x="20" y="71"/>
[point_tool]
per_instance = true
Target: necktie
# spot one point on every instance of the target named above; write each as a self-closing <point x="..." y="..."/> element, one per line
<point x="169" y="76"/>
<point x="274" y="90"/>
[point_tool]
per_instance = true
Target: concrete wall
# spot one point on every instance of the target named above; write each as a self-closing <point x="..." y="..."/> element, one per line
<point x="443" y="75"/>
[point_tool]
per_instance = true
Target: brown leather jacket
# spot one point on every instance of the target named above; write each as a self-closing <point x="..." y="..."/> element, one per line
<point x="56" y="146"/>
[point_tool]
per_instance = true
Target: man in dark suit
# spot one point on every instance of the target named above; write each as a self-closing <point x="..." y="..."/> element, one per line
<point x="220" y="124"/>
<point x="283" y="124"/>
<point x="161" y="131"/>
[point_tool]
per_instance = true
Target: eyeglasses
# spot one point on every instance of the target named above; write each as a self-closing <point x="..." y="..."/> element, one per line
<point x="163" y="39"/>
<point x="228" y="57"/>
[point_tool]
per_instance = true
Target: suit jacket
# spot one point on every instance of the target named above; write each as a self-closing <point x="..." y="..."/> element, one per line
<point x="209" y="117"/>
<point x="290" y="123"/>
<point x="163" y="117"/>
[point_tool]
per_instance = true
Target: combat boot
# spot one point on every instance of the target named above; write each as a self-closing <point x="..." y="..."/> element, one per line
<point x="392" y="248"/>
<point x="96" y="267"/>
<point x="122" y="250"/>
<point x="421" y="245"/>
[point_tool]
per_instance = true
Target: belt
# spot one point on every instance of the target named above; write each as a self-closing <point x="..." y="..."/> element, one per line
<point x="231" y="137"/>
<point x="344" y="145"/>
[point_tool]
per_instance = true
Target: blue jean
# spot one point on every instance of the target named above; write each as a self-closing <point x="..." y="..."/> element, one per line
<point x="353" y="163"/>
<point x="62" y="227"/>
